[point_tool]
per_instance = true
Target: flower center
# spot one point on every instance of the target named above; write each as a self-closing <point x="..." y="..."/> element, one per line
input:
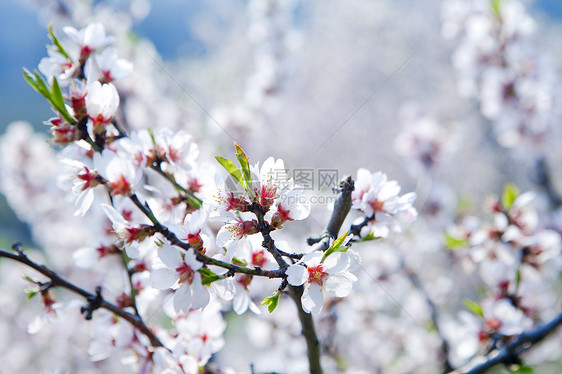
<point x="120" y="187"/>
<point x="377" y="205"/>
<point x="316" y="274"/>
<point x="185" y="273"/>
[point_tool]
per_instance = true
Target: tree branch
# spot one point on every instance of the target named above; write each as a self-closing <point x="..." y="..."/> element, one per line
<point x="342" y="207"/>
<point x="447" y="367"/>
<point x="308" y="331"/>
<point x="57" y="281"/>
<point x="524" y="341"/>
<point x="173" y="239"/>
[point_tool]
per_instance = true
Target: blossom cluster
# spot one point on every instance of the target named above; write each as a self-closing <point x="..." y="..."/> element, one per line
<point x="157" y="204"/>
<point x="499" y="66"/>
<point x="125" y="200"/>
<point x="513" y="255"/>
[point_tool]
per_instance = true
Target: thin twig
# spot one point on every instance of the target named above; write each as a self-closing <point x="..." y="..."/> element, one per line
<point x="57" y="281"/>
<point x="341" y="208"/>
<point x="447" y="366"/>
<point x="524" y="341"/>
<point x="173" y="239"/>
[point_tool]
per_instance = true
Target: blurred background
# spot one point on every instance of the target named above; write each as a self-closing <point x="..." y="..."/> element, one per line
<point x="328" y="85"/>
<point x="177" y="30"/>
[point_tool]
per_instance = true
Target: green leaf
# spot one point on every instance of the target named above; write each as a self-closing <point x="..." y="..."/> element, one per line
<point x="453" y="243"/>
<point x="339" y="241"/>
<point x="56" y="94"/>
<point x="208" y="277"/>
<point x="367" y="238"/>
<point x="59" y="48"/>
<point x="29" y="279"/>
<point x="30" y="293"/>
<point x="518" y="278"/>
<point x="271" y="301"/>
<point x="523" y="369"/>
<point x="337" y="246"/>
<point x="496" y="8"/>
<point x="474" y="307"/>
<point x="232" y="169"/>
<point x="510" y="193"/>
<point x="53" y="96"/>
<point x="237" y="261"/>
<point x="245" y="168"/>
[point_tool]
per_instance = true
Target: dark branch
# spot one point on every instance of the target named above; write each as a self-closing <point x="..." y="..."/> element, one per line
<point x="94" y="300"/>
<point x="342" y="206"/>
<point x="173" y="239"/>
<point x="543" y="178"/>
<point x="520" y="344"/>
<point x="341" y="209"/>
<point x="447" y="367"/>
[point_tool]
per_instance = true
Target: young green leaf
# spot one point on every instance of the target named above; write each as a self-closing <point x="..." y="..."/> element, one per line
<point x="53" y="96"/>
<point x="523" y="369"/>
<point x="453" y="243"/>
<point x="510" y="193"/>
<point x="496" y="8"/>
<point x="208" y="277"/>
<point x="231" y="168"/>
<point x="474" y="307"/>
<point x="59" y="48"/>
<point x="337" y="246"/>
<point x="370" y="236"/>
<point x="271" y="301"/>
<point x="30" y="293"/>
<point x="239" y="262"/>
<point x="245" y="168"/>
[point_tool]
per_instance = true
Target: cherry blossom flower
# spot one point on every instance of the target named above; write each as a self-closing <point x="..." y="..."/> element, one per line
<point x="330" y="276"/>
<point x="86" y="257"/>
<point x="272" y="180"/>
<point x="130" y="234"/>
<point x="83" y="179"/>
<point x="292" y="205"/>
<point x="120" y="172"/>
<point x="102" y="102"/>
<point x="234" y="230"/>
<point x="424" y="142"/>
<point x="379" y="199"/>
<point x="109" y="334"/>
<point x="58" y="66"/>
<point x="63" y="132"/>
<point x="52" y="312"/>
<point x="180" y="271"/>
<point x="192" y="228"/>
<point x="242" y="300"/>
<point x="107" y="67"/>
<point x="503" y="317"/>
<point x="90" y="39"/>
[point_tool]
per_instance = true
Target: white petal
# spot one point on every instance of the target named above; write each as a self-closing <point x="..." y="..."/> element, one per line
<point x="36" y="324"/>
<point x="182" y="298"/>
<point x="191" y="260"/>
<point x="312" y="299"/>
<point x="163" y="278"/>
<point x="240" y="302"/>
<point x="336" y="262"/>
<point x="85" y="257"/>
<point x="132" y="251"/>
<point x="170" y="256"/>
<point x="340" y="285"/>
<point x="201" y="294"/>
<point x="389" y="190"/>
<point x="296" y="275"/>
<point x="84" y="202"/>
<point x="99" y="350"/>
<point x="112" y="214"/>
